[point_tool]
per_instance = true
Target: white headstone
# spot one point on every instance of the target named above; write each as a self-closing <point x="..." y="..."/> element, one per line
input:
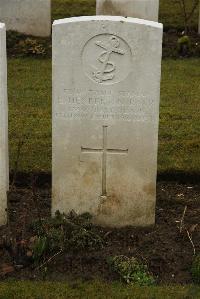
<point x="27" y="16"/>
<point x="142" y="9"/>
<point x="106" y="90"/>
<point x="4" y="173"/>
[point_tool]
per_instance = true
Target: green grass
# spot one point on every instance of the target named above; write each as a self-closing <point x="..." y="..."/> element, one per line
<point x="30" y="115"/>
<point x="29" y="89"/>
<point x="170" y="13"/>
<point x="91" y="290"/>
<point x="71" y="8"/>
<point x="179" y="138"/>
<point x="172" y="17"/>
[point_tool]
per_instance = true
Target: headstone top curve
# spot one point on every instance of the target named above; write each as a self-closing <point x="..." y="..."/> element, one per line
<point x="108" y="18"/>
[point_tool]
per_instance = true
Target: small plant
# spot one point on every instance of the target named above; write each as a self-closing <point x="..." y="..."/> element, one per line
<point x="196" y="269"/>
<point x="64" y="233"/>
<point x="31" y="46"/>
<point x="39" y="248"/>
<point x="184" y="45"/>
<point x="22" y="45"/>
<point x="131" y="271"/>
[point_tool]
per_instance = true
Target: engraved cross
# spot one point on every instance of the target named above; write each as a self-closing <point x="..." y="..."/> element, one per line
<point x="104" y="150"/>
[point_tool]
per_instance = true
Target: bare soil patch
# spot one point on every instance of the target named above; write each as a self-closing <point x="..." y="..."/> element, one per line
<point x="167" y="251"/>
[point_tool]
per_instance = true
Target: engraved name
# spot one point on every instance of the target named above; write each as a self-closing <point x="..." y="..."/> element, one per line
<point x="105" y="104"/>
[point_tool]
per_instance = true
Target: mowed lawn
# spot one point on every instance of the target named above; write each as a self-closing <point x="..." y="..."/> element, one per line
<point x="93" y="290"/>
<point x="29" y="88"/>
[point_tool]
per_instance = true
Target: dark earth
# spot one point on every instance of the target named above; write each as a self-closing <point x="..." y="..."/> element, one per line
<point x="19" y="45"/>
<point x="167" y="248"/>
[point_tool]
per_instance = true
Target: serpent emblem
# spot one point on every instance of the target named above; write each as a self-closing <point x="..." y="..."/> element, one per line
<point x="106" y="71"/>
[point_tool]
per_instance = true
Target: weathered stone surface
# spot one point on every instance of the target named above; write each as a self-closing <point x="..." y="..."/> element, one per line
<point x="106" y="90"/>
<point x="3" y="127"/>
<point x="27" y="16"/>
<point x="142" y="9"/>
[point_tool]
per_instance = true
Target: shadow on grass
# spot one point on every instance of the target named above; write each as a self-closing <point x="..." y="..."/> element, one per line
<point x="44" y="179"/>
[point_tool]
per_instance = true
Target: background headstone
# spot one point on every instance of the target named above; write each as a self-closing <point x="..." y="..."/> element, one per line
<point x="142" y="9"/>
<point x="4" y="172"/>
<point x="106" y="90"/>
<point x="27" y="16"/>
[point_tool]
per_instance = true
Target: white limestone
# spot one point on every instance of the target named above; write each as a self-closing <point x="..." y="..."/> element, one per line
<point x="27" y="16"/>
<point x="4" y="173"/>
<point x="143" y="9"/>
<point x="106" y="90"/>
